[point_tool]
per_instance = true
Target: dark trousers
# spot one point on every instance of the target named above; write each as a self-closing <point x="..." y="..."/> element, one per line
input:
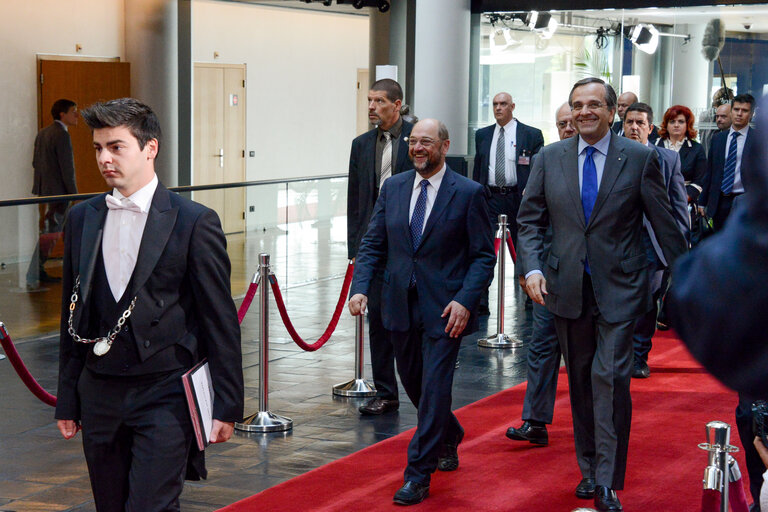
<point x="425" y="366"/>
<point x="382" y="353"/>
<point x="645" y="328"/>
<point x="136" y="437"/>
<point x="543" y="364"/>
<point x="755" y="466"/>
<point x="507" y="204"/>
<point x="598" y="358"/>
<point x="724" y="205"/>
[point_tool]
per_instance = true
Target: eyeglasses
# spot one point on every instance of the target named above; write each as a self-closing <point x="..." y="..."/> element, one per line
<point x="589" y="106"/>
<point x="563" y="124"/>
<point x="426" y="142"/>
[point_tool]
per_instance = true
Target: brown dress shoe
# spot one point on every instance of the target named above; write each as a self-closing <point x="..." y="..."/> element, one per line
<point x="376" y="406"/>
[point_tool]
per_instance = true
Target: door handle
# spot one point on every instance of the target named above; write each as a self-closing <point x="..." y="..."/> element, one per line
<point x="220" y="154"/>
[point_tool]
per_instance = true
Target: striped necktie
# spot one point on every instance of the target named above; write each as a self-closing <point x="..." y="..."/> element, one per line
<point x="729" y="171"/>
<point x="501" y="160"/>
<point x="386" y="159"/>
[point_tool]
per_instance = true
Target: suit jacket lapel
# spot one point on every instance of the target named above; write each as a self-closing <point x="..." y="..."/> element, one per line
<point x="160" y="223"/>
<point x="402" y="150"/>
<point x="403" y="205"/>
<point x="570" y="170"/>
<point x="90" y="243"/>
<point x="614" y="163"/>
<point x="443" y="198"/>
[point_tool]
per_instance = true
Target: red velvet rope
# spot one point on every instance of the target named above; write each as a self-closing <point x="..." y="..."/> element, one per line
<point x="334" y="320"/>
<point x="247" y="301"/>
<point x="511" y="246"/>
<point x="496" y="245"/>
<point x="18" y="365"/>
<point x="737" y="498"/>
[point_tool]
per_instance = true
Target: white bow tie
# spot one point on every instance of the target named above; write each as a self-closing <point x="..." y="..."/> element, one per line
<point x="114" y="203"/>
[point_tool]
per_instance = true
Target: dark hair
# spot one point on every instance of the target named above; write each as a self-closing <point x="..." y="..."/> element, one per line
<point x="671" y="113"/>
<point x="136" y="116"/>
<point x="61" y="106"/>
<point x="745" y="98"/>
<point x="610" y="94"/>
<point x="389" y="86"/>
<point x="641" y="107"/>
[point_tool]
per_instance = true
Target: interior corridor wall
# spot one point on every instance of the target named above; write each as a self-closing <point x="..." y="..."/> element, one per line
<point x="26" y="29"/>
<point x="301" y="81"/>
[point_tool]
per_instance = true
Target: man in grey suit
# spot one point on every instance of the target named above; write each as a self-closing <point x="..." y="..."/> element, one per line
<point x="593" y="191"/>
<point x="54" y="167"/>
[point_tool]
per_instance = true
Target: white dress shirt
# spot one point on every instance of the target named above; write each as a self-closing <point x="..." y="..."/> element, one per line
<point x="123" y="231"/>
<point x="738" y="186"/>
<point x="510" y="150"/>
<point x="432" y="189"/>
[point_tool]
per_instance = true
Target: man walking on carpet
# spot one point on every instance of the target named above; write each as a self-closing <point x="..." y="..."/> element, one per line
<point x="593" y="190"/>
<point x="425" y="233"/>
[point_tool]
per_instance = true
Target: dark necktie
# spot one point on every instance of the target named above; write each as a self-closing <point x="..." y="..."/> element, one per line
<point x="417" y="221"/>
<point x="729" y="172"/>
<point x="588" y="190"/>
<point x="501" y="177"/>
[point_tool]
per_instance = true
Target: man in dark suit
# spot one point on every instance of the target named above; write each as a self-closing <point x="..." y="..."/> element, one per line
<point x="376" y="156"/>
<point x="721" y="318"/>
<point x="624" y="101"/>
<point x="638" y="123"/>
<point x="423" y="237"/>
<point x="543" y="356"/>
<point x="503" y="154"/>
<point x="147" y="270"/>
<point x="54" y="167"/>
<point x="723" y="182"/>
<point x="593" y="191"/>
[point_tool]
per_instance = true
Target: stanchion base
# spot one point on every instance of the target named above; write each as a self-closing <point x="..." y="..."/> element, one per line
<point x="356" y="387"/>
<point x="265" y="421"/>
<point x="499" y="341"/>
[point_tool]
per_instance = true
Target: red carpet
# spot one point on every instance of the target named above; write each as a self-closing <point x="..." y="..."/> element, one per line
<point x="664" y="473"/>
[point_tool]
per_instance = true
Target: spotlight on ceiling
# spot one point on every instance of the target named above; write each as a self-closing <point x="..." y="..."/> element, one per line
<point x="501" y="39"/>
<point x="645" y="37"/>
<point x="381" y="5"/>
<point x="543" y="23"/>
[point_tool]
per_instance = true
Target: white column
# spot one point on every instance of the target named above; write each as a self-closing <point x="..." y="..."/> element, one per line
<point x="441" y="66"/>
<point x="690" y="71"/>
<point x="151" y="46"/>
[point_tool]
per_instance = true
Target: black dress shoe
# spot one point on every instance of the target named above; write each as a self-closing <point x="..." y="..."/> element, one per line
<point x="606" y="499"/>
<point x="411" y="493"/>
<point x="586" y="489"/>
<point x="640" y="369"/>
<point x="448" y="460"/>
<point x="376" y="406"/>
<point x="530" y="433"/>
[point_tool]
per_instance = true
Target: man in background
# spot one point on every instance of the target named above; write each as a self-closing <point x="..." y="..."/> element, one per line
<point x="543" y="357"/>
<point x="54" y="167"/>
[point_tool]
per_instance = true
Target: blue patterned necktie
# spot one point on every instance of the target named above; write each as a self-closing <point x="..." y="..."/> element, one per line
<point x="417" y="221"/>
<point x="729" y="172"/>
<point x="588" y="191"/>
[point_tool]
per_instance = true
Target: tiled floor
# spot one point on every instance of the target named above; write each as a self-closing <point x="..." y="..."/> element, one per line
<point x="39" y="471"/>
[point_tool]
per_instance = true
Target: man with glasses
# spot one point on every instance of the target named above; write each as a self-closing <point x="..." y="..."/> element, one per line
<point x="593" y="190"/>
<point x="435" y="264"/>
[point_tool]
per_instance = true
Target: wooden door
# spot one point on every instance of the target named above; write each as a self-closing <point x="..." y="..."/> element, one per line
<point x="219" y="140"/>
<point x="363" y="86"/>
<point x="84" y="82"/>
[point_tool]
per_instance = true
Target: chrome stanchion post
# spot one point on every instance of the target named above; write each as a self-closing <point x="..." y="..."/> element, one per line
<point x="717" y="473"/>
<point x="358" y="387"/>
<point x="500" y="340"/>
<point x="264" y="420"/>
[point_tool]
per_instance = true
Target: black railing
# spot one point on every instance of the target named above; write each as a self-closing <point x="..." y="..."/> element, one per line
<point x="187" y="188"/>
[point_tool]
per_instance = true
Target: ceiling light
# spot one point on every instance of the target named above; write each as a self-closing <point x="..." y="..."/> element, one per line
<point x="543" y="23"/>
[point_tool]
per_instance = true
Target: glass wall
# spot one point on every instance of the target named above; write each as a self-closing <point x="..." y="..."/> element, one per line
<point x="538" y="60"/>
